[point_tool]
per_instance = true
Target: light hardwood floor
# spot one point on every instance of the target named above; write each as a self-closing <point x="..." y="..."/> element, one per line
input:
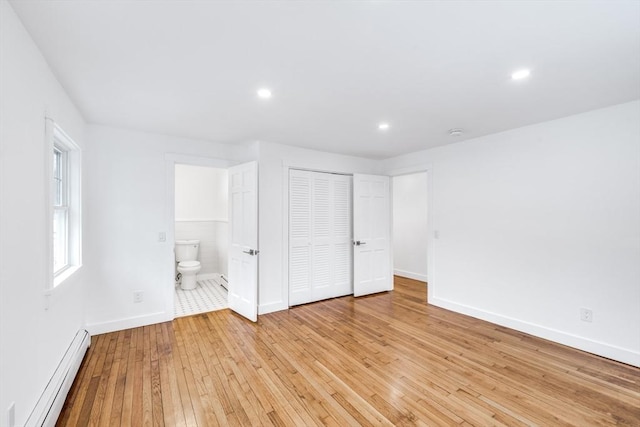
<point x="387" y="359"/>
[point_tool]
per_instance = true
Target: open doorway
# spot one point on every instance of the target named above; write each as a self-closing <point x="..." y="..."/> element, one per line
<point x="410" y="233"/>
<point x="201" y="232"/>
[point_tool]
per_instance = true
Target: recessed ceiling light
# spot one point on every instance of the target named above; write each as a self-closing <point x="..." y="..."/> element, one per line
<point x="264" y="93"/>
<point x="520" y="74"/>
<point x="383" y="126"/>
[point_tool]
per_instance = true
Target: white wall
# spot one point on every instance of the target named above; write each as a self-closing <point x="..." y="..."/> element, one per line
<point x="274" y="163"/>
<point x="201" y="193"/>
<point x="410" y="225"/>
<point x="130" y="192"/>
<point x="32" y="340"/>
<point x="534" y="223"/>
<point x="540" y="221"/>
<point x="129" y="205"/>
<point x="201" y="198"/>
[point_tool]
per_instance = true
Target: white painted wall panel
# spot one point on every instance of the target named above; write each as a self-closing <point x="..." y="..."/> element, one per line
<point x="29" y="91"/>
<point x="537" y="222"/>
<point x="129" y="205"/>
<point x="201" y="193"/>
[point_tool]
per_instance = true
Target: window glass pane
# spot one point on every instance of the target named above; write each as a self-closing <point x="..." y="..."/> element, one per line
<point x="58" y="183"/>
<point x="57" y="201"/>
<point x="60" y="260"/>
<point x="56" y="177"/>
<point x="56" y="163"/>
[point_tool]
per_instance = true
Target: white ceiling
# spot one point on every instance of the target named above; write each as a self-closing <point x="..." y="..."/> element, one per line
<point x="336" y="69"/>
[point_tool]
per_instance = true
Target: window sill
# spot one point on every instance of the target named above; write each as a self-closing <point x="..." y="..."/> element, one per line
<point x="65" y="274"/>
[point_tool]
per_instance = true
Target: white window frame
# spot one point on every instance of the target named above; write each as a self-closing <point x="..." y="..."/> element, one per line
<point x="64" y="202"/>
<point x="61" y="209"/>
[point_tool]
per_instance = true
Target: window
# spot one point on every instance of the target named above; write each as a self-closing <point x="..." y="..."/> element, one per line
<point x="60" y="210"/>
<point x="65" y="202"/>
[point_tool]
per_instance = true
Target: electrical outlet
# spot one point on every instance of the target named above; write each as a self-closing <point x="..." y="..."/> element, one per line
<point x="162" y="236"/>
<point x="586" y="315"/>
<point x="11" y="415"/>
<point x="138" y="296"/>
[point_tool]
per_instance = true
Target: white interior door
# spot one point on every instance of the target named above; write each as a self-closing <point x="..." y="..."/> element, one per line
<point x="243" y="240"/>
<point x="372" y="267"/>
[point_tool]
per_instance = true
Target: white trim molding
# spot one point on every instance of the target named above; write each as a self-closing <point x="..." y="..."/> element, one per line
<point x="50" y="403"/>
<point x="130" y="322"/>
<point x="410" y="275"/>
<point x="598" y="348"/>
<point x="272" y="307"/>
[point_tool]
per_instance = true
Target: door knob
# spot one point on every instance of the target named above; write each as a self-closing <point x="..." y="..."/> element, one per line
<point x="358" y="243"/>
<point x="252" y="252"/>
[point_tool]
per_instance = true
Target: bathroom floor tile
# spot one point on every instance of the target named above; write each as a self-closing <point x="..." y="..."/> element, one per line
<point x="209" y="295"/>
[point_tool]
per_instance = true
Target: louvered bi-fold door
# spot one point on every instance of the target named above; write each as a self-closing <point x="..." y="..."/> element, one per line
<point x="299" y="236"/>
<point x="320" y="256"/>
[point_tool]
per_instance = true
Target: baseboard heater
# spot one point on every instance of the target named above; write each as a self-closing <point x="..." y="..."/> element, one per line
<point x="50" y="404"/>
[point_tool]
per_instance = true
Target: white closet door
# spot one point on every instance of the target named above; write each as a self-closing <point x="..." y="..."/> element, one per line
<point x="321" y="233"/>
<point x="342" y="233"/>
<point x="299" y="237"/>
<point x="372" y="270"/>
<point x="320" y="256"/>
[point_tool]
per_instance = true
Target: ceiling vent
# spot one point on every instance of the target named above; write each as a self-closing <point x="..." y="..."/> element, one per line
<point x="455" y="132"/>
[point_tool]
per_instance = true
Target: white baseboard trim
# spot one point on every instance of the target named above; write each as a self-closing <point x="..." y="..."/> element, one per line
<point x="129" y="322"/>
<point x="411" y="275"/>
<point x="272" y="307"/>
<point x="596" y="347"/>
<point x="50" y="403"/>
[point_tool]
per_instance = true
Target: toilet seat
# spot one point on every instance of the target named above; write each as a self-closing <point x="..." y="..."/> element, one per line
<point x="189" y="264"/>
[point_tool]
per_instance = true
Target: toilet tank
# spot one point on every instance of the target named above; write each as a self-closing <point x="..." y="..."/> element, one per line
<point x="187" y="250"/>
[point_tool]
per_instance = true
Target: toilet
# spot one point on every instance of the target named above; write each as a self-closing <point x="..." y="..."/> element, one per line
<point x="188" y="264"/>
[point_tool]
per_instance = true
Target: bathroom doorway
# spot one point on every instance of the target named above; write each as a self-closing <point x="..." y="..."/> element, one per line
<point x="201" y="214"/>
<point x="410" y="225"/>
